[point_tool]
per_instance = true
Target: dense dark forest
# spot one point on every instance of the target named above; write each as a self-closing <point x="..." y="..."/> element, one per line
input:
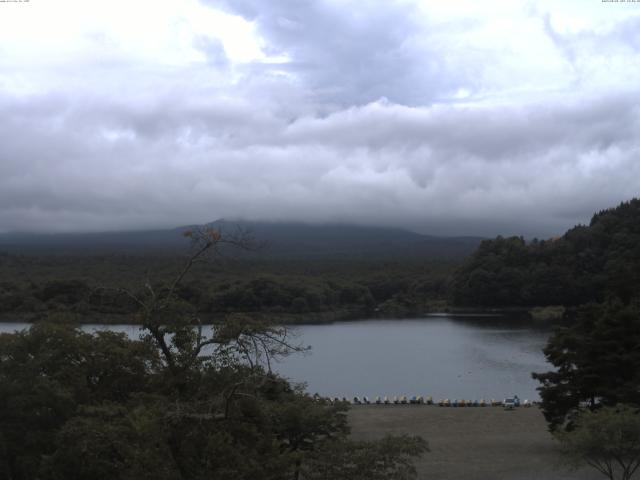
<point x="595" y="270"/>
<point x="176" y="403"/>
<point x="86" y="287"/>
<point x="296" y="273"/>
<point x="589" y="263"/>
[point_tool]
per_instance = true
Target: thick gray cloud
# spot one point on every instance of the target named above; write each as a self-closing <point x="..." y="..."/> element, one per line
<point x="358" y="52"/>
<point x="381" y="114"/>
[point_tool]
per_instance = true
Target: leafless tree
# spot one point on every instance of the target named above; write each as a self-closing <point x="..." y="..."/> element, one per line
<point x="176" y="328"/>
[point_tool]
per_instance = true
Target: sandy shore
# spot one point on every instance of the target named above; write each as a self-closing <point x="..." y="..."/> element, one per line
<point x="471" y="443"/>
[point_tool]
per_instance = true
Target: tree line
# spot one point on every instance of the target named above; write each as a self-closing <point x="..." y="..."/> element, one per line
<point x="296" y="291"/>
<point x="175" y="404"/>
<point x="589" y="263"/>
<point x="591" y="399"/>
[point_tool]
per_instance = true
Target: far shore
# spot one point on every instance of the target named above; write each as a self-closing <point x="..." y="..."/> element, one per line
<point x="533" y="314"/>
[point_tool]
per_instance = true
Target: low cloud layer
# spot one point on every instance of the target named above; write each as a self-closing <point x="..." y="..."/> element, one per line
<point x="391" y="113"/>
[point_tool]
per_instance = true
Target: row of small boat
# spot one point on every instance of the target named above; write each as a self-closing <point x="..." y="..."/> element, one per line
<point x="419" y="400"/>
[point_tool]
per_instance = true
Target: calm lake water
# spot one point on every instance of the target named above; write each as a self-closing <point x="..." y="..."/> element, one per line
<point x="441" y="356"/>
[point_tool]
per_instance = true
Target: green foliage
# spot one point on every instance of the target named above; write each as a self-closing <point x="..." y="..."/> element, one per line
<point x="110" y="441"/>
<point x="49" y="372"/>
<point x="546" y="314"/>
<point x="64" y="291"/>
<point x="31" y="289"/>
<point x="80" y="406"/>
<point x="587" y="264"/>
<point x="596" y="360"/>
<point x="174" y="405"/>
<point x="607" y="440"/>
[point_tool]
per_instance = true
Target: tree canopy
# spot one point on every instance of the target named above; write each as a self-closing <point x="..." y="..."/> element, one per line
<point x="586" y="264"/>
<point x="182" y="402"/>
<point x="607" y="440"/>
<point x="596" y="360"/>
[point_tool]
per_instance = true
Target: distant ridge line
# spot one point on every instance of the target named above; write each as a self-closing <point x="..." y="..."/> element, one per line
<point x="284" y="239"/>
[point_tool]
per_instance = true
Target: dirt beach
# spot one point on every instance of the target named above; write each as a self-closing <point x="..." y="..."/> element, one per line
<point x="472" y="443"/>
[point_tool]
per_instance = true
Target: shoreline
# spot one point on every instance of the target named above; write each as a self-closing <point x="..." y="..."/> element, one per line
<point x="527" y="315"/>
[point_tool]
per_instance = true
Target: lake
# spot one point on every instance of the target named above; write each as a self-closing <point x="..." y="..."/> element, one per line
<point x="441" y="356"/>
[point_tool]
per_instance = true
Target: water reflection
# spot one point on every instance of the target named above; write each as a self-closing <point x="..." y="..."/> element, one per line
<point x="454" y="357"/>
<point x="438" y="356"/>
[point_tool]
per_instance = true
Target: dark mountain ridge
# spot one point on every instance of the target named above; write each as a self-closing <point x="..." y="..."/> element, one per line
<point x="280" y="240"/>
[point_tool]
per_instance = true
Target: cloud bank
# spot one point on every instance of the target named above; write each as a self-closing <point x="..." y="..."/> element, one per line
<point x="523" y="119"/>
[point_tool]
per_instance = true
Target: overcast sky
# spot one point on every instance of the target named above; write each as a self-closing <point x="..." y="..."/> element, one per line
<point x="446" y="117"/>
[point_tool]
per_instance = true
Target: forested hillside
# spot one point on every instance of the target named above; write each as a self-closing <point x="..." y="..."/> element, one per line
<point x="587" y="264"/>
<point x="177" y="403"/>
<point x="296" y="272"/>
<point x="85" y="288"/>
<point x="279" y="240"/>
